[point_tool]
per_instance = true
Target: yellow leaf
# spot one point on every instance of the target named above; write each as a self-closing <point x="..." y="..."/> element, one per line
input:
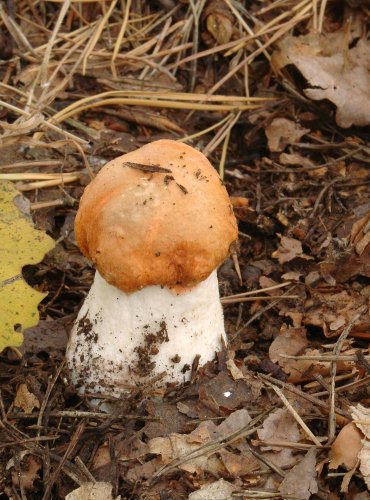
<point x="20" y="244"/>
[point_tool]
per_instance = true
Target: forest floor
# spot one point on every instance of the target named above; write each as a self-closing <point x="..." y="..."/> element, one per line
<point x="276" y="95"/>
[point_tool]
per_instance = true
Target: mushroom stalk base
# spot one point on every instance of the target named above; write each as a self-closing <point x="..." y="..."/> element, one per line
<point x="121" y="340"/>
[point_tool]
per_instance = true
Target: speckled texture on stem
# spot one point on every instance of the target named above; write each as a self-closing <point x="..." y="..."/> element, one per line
<point x="121" y="339"/>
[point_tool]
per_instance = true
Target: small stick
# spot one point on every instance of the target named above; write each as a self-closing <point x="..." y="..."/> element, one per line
<point x="71" y="447"/>
<point x="44" y="184"/>
<point x="324" y="357"/>
<point x="147" y="168"/>
<point x="221" y="167"/>
<point x="304" y="395"/>
<point x="46" y="204"/>
<point x="288" y="444"/>
<point x="347" y="387"/>
<point x="32" y="164"/>
<point x="84" y="469"/>
<point x="79" y="414"/>
<point x="260" y="290"/>
<point x="29" y="440"/>
<point x="333" y="371"/>
<point x="259" y="297"/>
<point x="47" y="395"/>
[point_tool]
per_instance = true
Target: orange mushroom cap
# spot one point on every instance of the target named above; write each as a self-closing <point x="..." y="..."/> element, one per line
<point x="159" y="215"/>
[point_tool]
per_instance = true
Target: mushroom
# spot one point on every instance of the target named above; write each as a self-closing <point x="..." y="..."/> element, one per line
<point x="156" y="222"/>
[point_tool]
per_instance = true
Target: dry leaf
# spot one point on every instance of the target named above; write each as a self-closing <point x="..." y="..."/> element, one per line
<point x="143" y="471"/>
<point x="235" y="372"/>
<point x="29" y="469"/>
<point x="295" y="316"/>
<point x="281" y="132"/>
<point x="25" y="400"/>
<point x="300" y="481"/>
<point x="239" y="465"/>
<point x="361" y="416"/>
<point x="219" y="490"/>
<point x="239" y="201"/>
<point x="234" y="422"/>
<point x="177" y="446"/>
<point x="289" y="249"/>
<point x="333" y="71"/>
<point x="364" y="457"/>
<point x="360" y="234"/>
<point x="291" y="276"/>
<point x="297" y="160"/>
<point x="346" y="447"/>
<point x="279" y="426"/>
<point x="290" y="341"/>
<point x="329" y="307"/>
<point x="92" y="491"/>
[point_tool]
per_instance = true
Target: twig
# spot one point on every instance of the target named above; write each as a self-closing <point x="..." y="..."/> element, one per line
<point x="47" y="395"/>
<point x="333" y="371"/>
<point x="291" y="388"/>
<point x="80" y="414"/>
<point x="324" y="357"/>
<point x="71" y="446"/>
<point x="256" y="292"/>
<point x="259" y="297"/>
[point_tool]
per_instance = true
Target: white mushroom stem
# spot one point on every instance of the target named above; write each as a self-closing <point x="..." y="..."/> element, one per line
<point x="121" y="339"/>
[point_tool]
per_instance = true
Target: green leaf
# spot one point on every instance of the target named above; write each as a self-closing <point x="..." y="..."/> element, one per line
<point x="20" y="244"/>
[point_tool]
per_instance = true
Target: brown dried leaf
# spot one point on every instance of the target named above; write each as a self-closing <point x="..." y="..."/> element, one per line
<point x="92" y="491"/>
<point x="290" y="341"/>
<point x="279" y="426"/>
<point x="360" y="234"/>
<point x="169" y="419"/>
<point x="364" y="457"/>
<point x="346" y="447"/>
<point x="25" y="400"/>
<point x="30" y="467"/>
<point x="176" y="446"/>
<point x="234" y="422"/>
<point x="301" y="481"/>
<point x="296" y="159"/>
<point x="333" y="71"/>
<point x="361" y="417"/>
<point x="235" y="372"/>
<point x="281" y="132"/>
<point x="330" y="307"/>
<point x="239" y="465"/>
<point x="289" y="249"/>
<point x="205" y="432"/>
<point x="219" y="490"/>
<point x="143" y="471"/>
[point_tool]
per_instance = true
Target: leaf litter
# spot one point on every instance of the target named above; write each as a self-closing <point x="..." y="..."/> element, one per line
<point x="276" y="95"/>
